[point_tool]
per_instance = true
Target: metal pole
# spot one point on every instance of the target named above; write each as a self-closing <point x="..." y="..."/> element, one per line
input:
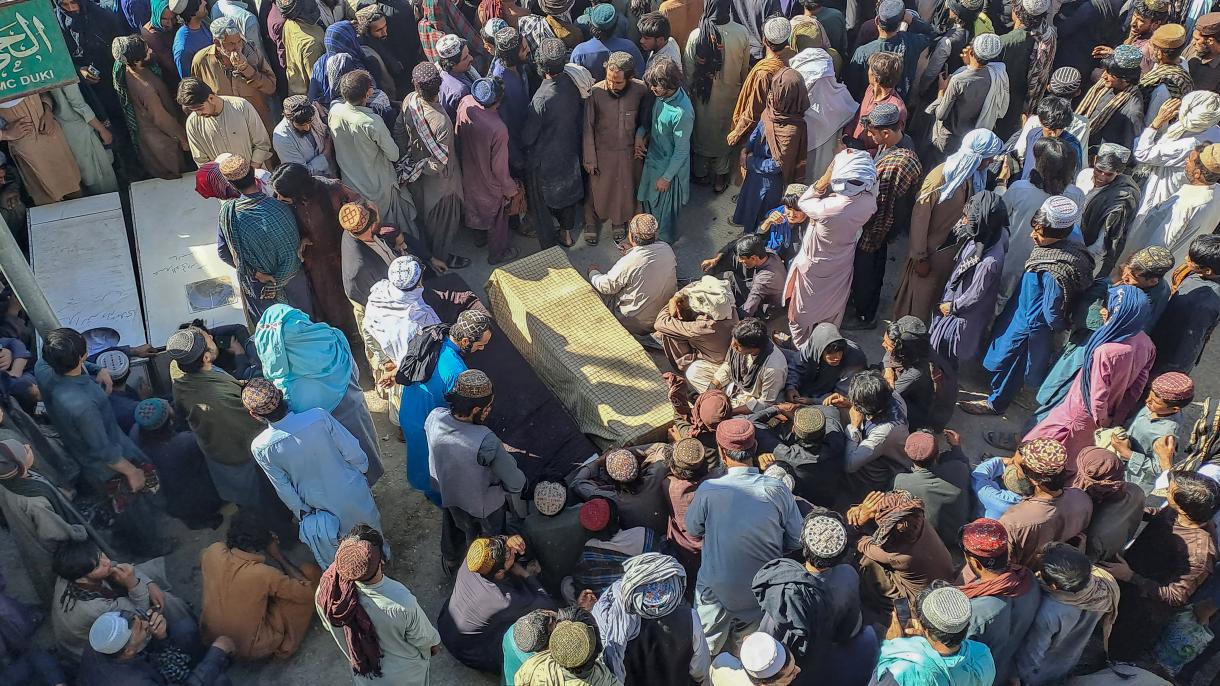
<point x="19" y="275"/>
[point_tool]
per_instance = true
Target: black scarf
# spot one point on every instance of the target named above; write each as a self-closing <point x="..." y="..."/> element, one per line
<point x="1120" y="195"/>
<point x="1069" y="263"/>
<point x="35" y="485"/>
<point x="709" y="50"/>
<point x="986" y="220"/>
<point x="744" y="374"/>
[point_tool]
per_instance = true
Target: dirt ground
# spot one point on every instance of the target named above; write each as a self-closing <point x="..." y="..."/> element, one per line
<point x="412" y="523"/>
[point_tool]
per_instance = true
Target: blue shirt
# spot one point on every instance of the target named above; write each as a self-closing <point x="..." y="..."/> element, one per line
<point x="514" y="107"/>
<point x="315" y="463"/>
<point x="186" y="44"/>
<point x="745" y="520"/>
<point x="993" y="499"/>
<point x="84" y="417"/>
<point x="593" y="53"/>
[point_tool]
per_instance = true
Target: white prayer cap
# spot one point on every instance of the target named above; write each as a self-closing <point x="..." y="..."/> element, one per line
<point x="109" y="633"/>
<point x="762" y="656"/>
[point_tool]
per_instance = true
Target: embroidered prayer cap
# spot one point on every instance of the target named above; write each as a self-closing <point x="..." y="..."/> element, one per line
<point x="14" y="458"/>
<point x="777" y="30"/>
<point x="355" y="217"/>
<point x="781" y="475"/>
<point x="890" y="14"/>
<point x="550" y="497"/>
<point x="151" y="413"/>
<point x="356" y="559"/>
<point x="116" y="362"/>
<point x="945" y="608"/>
<point x="1169" y="36"/>
<point x="1154" y="260"/>
<point x="595" y="515"/>
<point x="296" y="105"/>
<point x="1127" y="57"/>
<point x="1043" y="457"/>
<point x="807" y="422"/>
<point x="622" y="466"/>
<point x="507" y="39"/>
<point x="644" y="227"/>
<point x="532" y="632"/>
<point x="1065" y="82"/>
<point x="178" y="6"/>
<point x="449" y="45"/>
<point x="762" y="656"/>
<point x="972" y="5"/>
<point x="551" y="54"/>
<point x="1174" y="387"/>
<point x="1036" y="8"/>
<point x="480" y="557"/>
<point x="1210" y="157"/>
<point x="470" y="324"/>
<point x="405" y="272"/>
<point x="797" y="189"/>
<point x="492" y="26"/>
<point x="824" y="536"/>
<point x="689" y="454"/>
<point x="603" y="16"/>
<point x="921" y="446"/>
<point x="986" y="538"/>
<point x="186" y="345"/>
<point x="1061" y="211"/>
<point x="487" y="90"/>
<point x="986" y="46"/>
<point x="472" y="383"/>
<point x="1112" y="157"/>
<point x="426" y="75"/>
<point x="260" y="397"/>
<point x="572" y="644"/>
<point x="232" y="167"/>
<point x="109" y="633"/>
<point x="883" y="114"/>
<point x="735" y="435"/>
<point x="1208" y="24"/>
<point x="1152" y="5"/>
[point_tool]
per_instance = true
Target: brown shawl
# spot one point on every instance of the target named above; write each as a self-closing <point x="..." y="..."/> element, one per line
<point x="783" y="123"/>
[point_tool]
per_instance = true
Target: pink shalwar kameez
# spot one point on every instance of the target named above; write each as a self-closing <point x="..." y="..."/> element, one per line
<point x="1119" y="375"/>
<point x="819" y="279"/>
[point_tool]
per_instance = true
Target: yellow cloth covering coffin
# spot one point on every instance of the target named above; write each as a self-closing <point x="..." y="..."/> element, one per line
<point x="596" y="369"/>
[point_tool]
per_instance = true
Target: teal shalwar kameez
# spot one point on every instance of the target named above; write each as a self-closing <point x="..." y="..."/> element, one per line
<point x="418" y="401"/>
<point x="673" y="122"/>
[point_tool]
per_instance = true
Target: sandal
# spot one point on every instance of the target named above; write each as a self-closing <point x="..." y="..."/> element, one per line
<point x="619" y="232"/>
<point x="457" y="262"/>
<point x="721" y="185"/>
<point x="507" y="255"/>
<point x="1003" y="440"/>
<point x="978" y="408"/>
<point x="592" y="234"/>
<point x="701" y="180"/>
<point x="564" y="238"/>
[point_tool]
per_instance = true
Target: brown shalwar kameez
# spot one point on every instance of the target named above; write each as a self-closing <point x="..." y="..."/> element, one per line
<point x="753" y="98"/>
<point x="161" y="134"/>
<point x="900" y="569"/>
<point x="438" y="190"/>
<point x="609" y="145"/>
<point x="932" y="223"/>
<point x="317" y="218"/>
<point x="43" y="156"/>
<point x="212" y="68"/>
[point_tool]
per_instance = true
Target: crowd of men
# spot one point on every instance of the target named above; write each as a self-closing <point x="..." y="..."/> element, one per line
<point x="812" y="517"/>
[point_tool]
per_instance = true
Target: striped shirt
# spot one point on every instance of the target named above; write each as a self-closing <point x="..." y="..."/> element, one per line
<point x="898" y="170"/>
<point x="264" y="234"/>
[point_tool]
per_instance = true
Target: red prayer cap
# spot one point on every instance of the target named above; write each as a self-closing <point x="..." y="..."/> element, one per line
<point x="595" y="515"/>
<point x="735" y="435"/>
<point x="985" y="538"/>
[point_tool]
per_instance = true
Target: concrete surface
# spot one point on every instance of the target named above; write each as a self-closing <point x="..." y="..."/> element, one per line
<point x="412" y="524"/>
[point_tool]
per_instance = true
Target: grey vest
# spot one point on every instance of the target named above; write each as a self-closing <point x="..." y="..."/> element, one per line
<point x="453" y="456"/>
